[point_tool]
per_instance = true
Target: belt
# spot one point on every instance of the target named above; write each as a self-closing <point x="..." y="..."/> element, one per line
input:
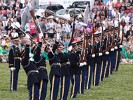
<point x="32" y="71"/>
<point x="17" y="58"/>
<point x="55" y="64"/>
<point x="41" y="67"/>
<point x="66" y="63"/>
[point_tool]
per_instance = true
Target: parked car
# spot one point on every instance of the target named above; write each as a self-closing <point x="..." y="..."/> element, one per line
<point x="53" y="8"/>
<point x="75" y="11"/>
<point x="63" y="13"/>
<point x="79" y="4"/>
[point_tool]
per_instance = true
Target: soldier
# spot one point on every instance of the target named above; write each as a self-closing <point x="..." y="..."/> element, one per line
<point x="112" y="50"/>
<point x="107" y="54"/>
<point x="55" y="70"/>
<point x="97" y="61"/>
<point x="83" y="65"/>
<point x="41" y="67"/>
<point x="75" y="70"/>
<point x="30" y="68"/>
<point x="65" y="72"/>
<point x="14" y="63"/>
<point x="90" y="63"/>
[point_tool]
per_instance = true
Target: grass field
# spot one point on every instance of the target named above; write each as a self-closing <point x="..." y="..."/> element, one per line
<point x="119" y="86"/>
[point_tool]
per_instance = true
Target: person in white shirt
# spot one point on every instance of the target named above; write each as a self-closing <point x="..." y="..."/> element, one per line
<point x="126" y="28"/>
<point x="66" y="29"/>
<point x="110" y="6"/>
<point x="15" y="24"/>
<point x="126" y="18"/>
<point x="50" y="27"/>
<point x="27" y="26"/>
<point x="58" y="29"/>
<point x="14" y="33"/>
<point x="4" y="22"/>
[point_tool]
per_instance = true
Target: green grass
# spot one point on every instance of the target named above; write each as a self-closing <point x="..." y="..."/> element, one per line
<point x="119" y="86"/>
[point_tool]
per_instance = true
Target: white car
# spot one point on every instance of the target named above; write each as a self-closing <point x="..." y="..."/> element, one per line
<point x="63" y="13"/>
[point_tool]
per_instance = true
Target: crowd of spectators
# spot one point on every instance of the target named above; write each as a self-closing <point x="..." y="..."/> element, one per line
<point x="105" y="12"/>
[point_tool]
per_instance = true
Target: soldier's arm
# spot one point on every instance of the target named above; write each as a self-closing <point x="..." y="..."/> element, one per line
<point x="26" y="55"/>
<point x="37" y="51"/>
<point x="11" y="58"/>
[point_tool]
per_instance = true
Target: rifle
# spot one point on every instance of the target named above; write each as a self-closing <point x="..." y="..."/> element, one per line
<point x="123" y="25"/>
<point x="118" y="35"/>
<point x="83" y="50"/>
<point x="73" y="31"/>
<point x="113" y="42"/>
<point x="93" y="41"/>
<point x="101" y="42"/>
<point x="107" y="44"/>
<point x="34" y="19"/>
<point x="86" y="46"/>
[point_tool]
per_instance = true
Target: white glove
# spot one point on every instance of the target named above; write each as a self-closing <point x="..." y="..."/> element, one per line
<point x="12" y="68"/>
<point x="81" y="64"/>
<point x="85" y="63"/>
<point x="69" y="48"/>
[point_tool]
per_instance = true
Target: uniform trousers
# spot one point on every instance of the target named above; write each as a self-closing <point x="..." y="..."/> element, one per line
<point x="54" y="87"/>
<point x="65" y="84"/>
<point x="89" y="75"/>
<point x="118" y="59"/>
<point x="14" y="79"/>
<point x="43" y="89"/>
<point x="113" y="61"/>
<point x="34" y="92"/>
<point x="82" y="79"/>
<point x="97" y="70"/>
<point x="75" y="85"/>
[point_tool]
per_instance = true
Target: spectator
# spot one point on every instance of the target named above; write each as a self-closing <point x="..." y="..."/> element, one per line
<point x="32" y="28"/>
<point x="4" y="22"/>
<point x="42" y="25"/>
<point x="1" y="27"/>
<point x="15" y="24"/>
<point x="8" y="27"/>
<point x="1" y="16"/>
<point x="19" y="18"/>
<point x="3" y="11"/>
<point x="14" y="33"/>
<point x="27" y="26"/>
<point x="50" y="26"/>
<point x="89" y="24"/>
<point x="118" y="5"/>
<point x="58" y="29"/>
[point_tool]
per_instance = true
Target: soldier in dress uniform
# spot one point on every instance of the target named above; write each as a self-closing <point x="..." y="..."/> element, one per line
<point x="75" y="70"/>
<point x="55" y="70"/>
<point x="41" y="67"/>
<point x="30" y="68"/>
<point x="117" y="39"/>
<point x="112" y="50"/>
<point x="83" y="67"/>
<point x="97" y="61"/>
<point x="14" y="64"/>
<point x="105" y="55"/>
<point x="90" y="63"/>
<point x="106" y="61"/>
<point x="65" y="72"/>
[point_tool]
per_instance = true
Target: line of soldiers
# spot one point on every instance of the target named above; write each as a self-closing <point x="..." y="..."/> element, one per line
<point x="93" y="58"/>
